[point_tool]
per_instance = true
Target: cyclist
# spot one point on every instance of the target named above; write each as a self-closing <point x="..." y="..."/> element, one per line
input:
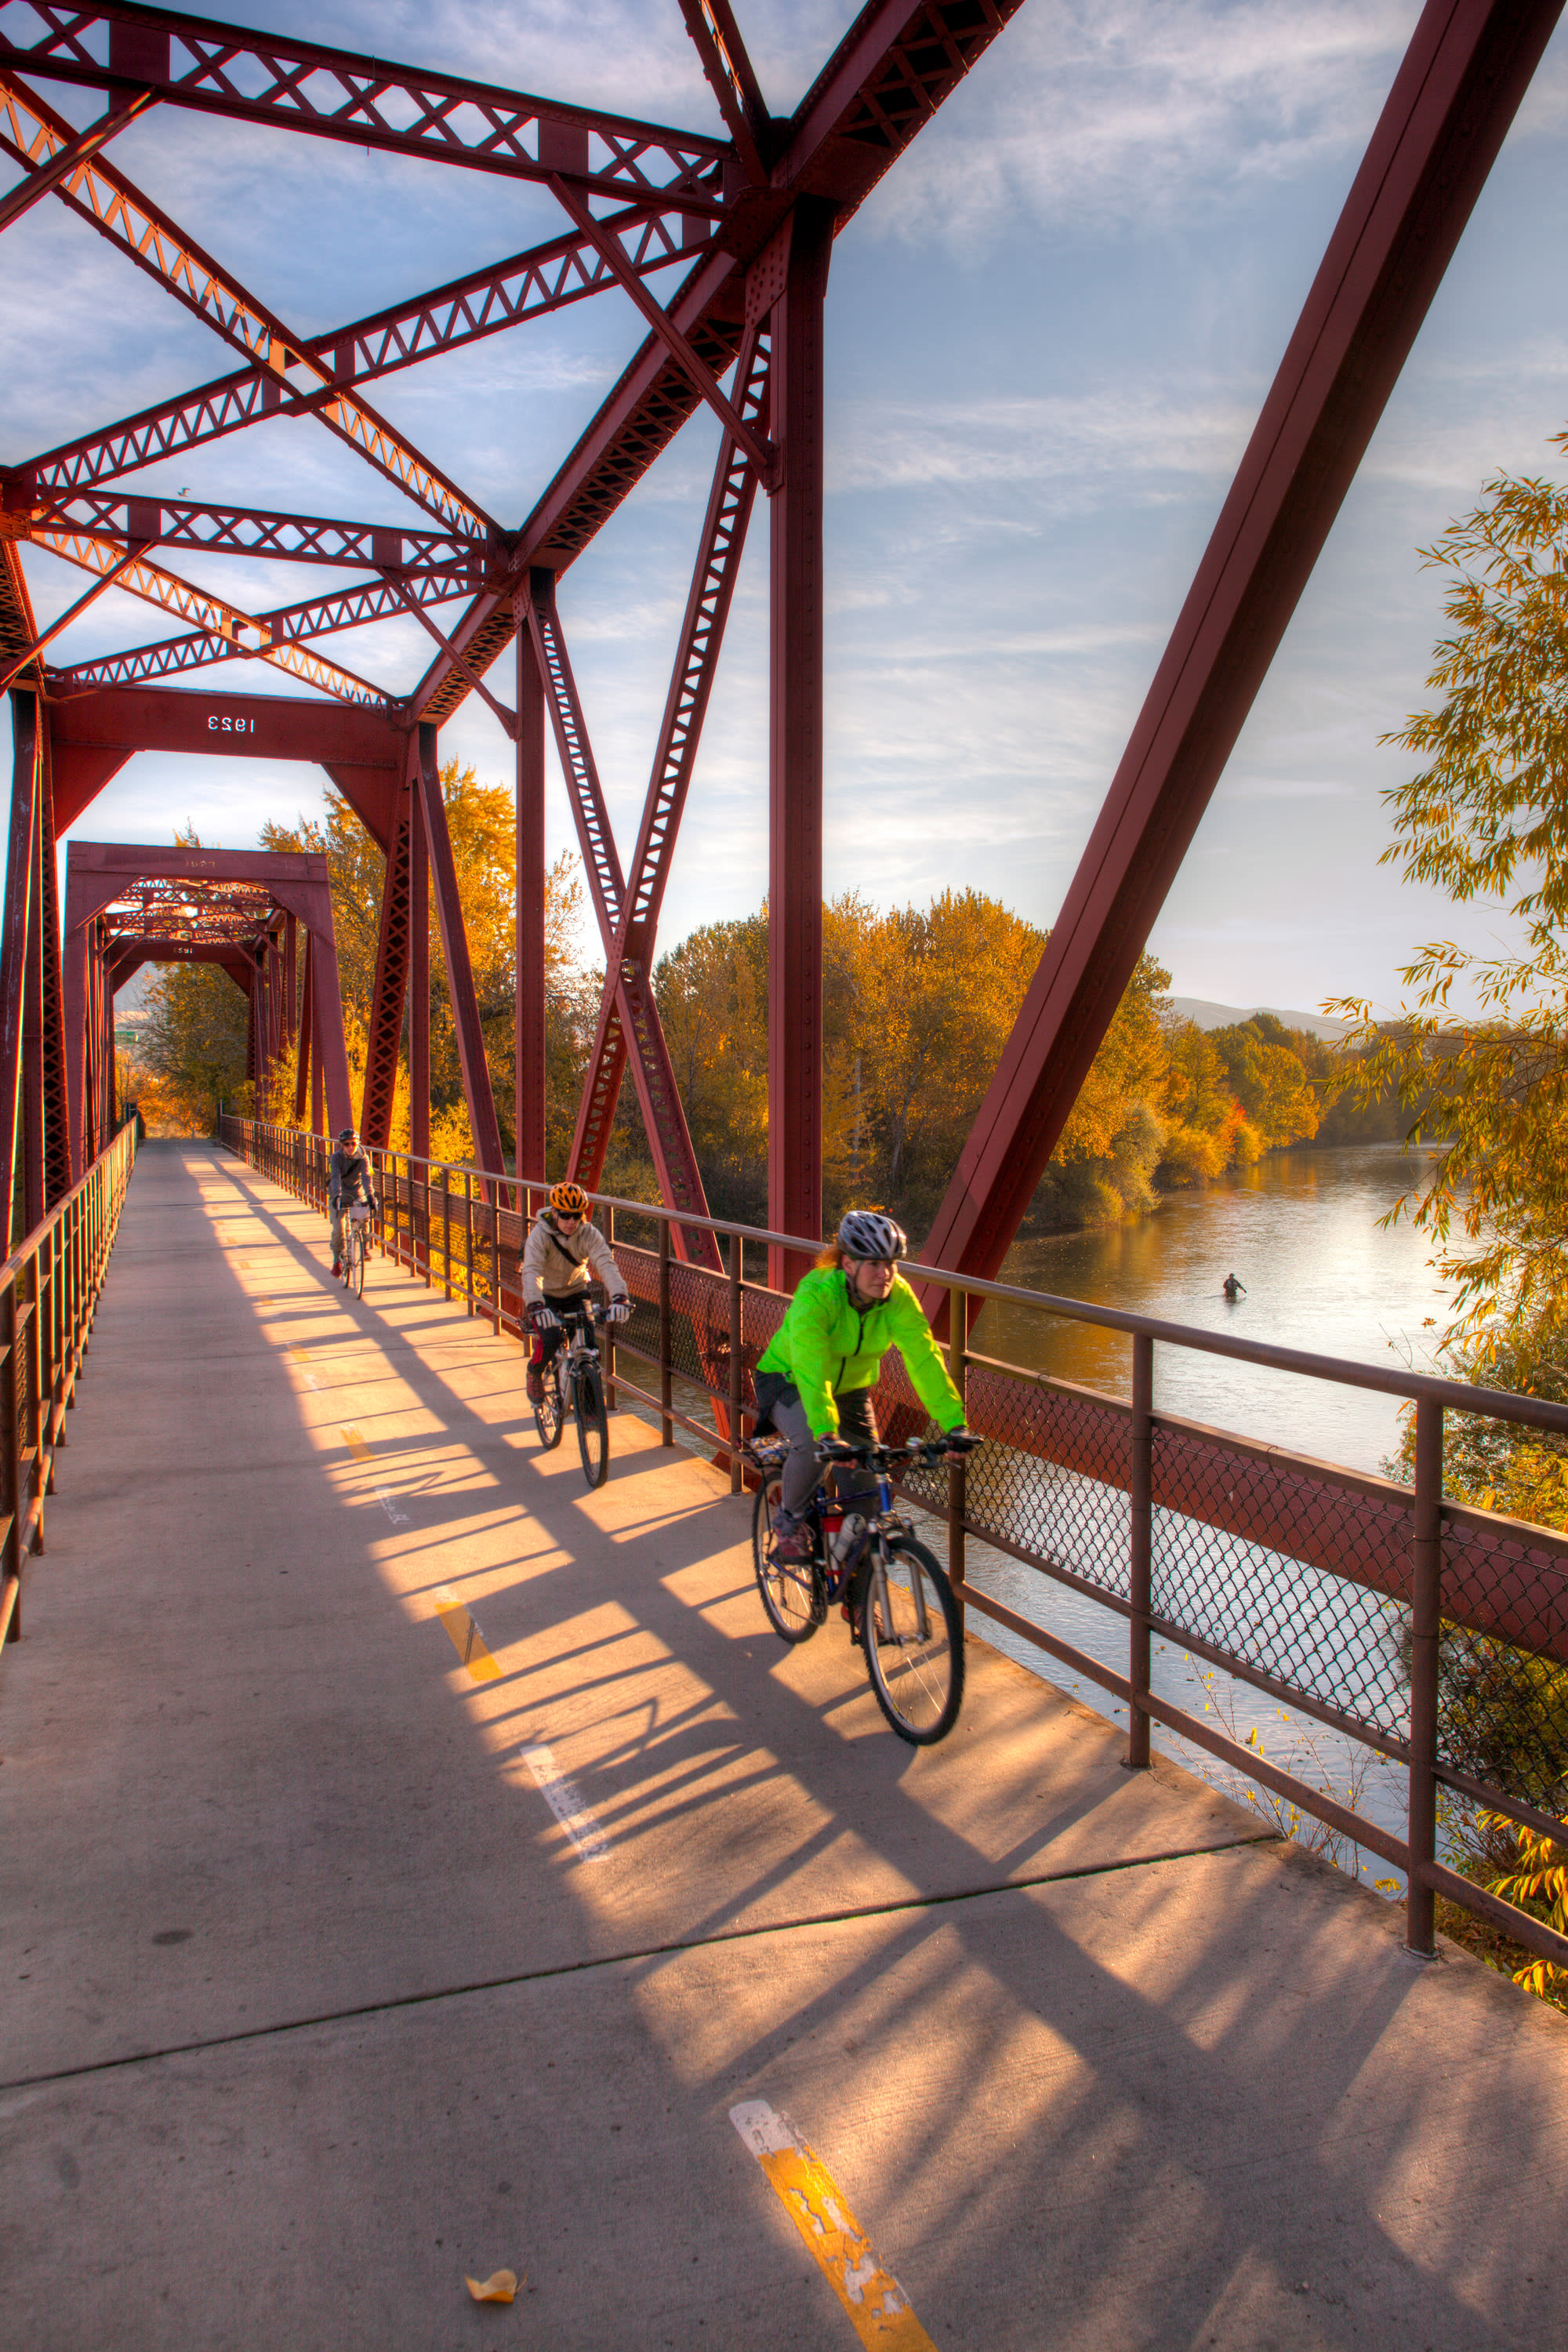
<point x="347" y="1180"/>
<point x="815" y="1377"/>
<point x="565" y="1250"/>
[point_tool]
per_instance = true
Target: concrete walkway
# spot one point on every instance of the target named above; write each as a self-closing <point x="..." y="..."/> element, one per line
<point x="313" y="2004"/>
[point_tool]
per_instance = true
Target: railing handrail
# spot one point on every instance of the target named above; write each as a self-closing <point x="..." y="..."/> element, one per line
<point x="1414" y="1388"/>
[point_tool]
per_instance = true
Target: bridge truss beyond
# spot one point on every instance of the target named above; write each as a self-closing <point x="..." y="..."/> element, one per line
<point x="746" y="221"/>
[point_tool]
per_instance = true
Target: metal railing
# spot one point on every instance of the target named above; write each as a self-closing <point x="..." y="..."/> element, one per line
<point x="1432" y="1633"/>
<point x="49" y="1288"/>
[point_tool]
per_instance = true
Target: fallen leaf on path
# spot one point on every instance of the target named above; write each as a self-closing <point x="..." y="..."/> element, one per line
<point x="499" y="2287"/>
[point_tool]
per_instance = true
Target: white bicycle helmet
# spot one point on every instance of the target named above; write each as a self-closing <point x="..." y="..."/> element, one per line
<point x="867" y="1234"/>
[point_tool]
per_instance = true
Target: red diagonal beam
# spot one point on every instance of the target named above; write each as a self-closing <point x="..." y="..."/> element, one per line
<point x="210" y="615"/>
<point x="691" y="366"/>
<point x="59" y="164"/>
<point x="663" y="1121"/>
<point x="697" y="654"/>
<point x="289" y="626"/>
<point x="1466" y="69"/>
<point x="717" y="39"/>
<point x="893" y="68"/>
<point x="146" y="235"/>
<point x="57" y="628"/>
<point x="299" y="86"/>
<point x="528" y="285"/>
<point x="465" y="1006"/>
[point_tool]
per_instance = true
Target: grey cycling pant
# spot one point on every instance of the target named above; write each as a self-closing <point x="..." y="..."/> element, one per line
<point x="801" y="1470"/>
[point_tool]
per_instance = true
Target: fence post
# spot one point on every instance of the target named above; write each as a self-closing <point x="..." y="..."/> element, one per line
<point x="497" y="1197"/>
<point x="667" y="1426"/>
<point x="735" y="1364"/>
<point x="447" y="1229"/>
<point x="468" y="1233"/>
<point x="1140" y="1545"/>
<point x="1425" y="1631"/>
<point x="14" y="1552"/>
<point x="958" y="1472"/>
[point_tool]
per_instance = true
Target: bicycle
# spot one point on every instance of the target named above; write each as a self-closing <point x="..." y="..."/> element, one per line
<point x="898" y="1600"/>
<point x="356" y="1245"/>
<point x="575" y="1366"/>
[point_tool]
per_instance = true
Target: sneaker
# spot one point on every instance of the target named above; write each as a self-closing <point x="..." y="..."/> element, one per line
<point x="535" y="1386"/>
<point x="792" y="1536"/>
<point x="337" y="1269"/>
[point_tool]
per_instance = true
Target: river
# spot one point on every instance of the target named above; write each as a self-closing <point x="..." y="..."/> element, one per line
<point x="1301" y="1232"/>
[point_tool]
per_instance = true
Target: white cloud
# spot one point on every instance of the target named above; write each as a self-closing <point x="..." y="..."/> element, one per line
<point x="1099" y="114"/>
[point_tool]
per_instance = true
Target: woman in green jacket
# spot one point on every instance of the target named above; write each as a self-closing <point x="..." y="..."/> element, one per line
<point x="816" y="1377"/>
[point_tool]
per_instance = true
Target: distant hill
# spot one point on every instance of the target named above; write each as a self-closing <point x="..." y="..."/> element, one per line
<point x="1208" y="1016"/>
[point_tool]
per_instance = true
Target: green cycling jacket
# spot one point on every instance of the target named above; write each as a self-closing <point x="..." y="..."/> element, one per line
<point x="826" y="1344"/>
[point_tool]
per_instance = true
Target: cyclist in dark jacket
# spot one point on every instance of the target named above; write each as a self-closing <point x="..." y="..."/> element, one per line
<point x="348" y="1180"/>
<point x="815" y="1376"/>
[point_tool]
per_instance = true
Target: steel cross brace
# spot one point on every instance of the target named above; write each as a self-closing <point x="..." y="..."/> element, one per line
<point x="702" y="630"/>
<point x="636" y="1015"/>
<point x="336" y="94"/>
<point x="487" y="301"/>
<point x="120" y="515"/>
<point x="390" y="994"/>
<point x="1468" y="65"/>
<point x="157" y="245"/>
<point x="212" y="616"/>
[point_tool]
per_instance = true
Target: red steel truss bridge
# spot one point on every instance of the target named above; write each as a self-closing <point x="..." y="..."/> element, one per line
<point x="723" y="241"/>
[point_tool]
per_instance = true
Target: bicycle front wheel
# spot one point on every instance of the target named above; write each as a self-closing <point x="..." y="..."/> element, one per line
<point x="548" y="1416"/>
<point x="791" y="1589"/>
<point x="362" y="1251"/>
<point x="593" y="1427"/>
<point x="914" y="1648"/>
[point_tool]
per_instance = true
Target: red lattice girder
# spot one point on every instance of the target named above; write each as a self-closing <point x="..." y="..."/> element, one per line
<point x="214" y="618"/>
<point x="894" y="67"/>
<point x="390" y="993"/>
<point x="717" y="39"/>
<point x="487" y="301"/>
<point x="299" y="86"/>
<point x="697" y="654"/>
<point x="122" y="515"/>
<point x="57" y="160"/>
<point x="460" y="992"/>
<point x="1455" y="95"/>
<point x="145" y="233"/>
<point x="664" y="1120"/>
<point x="14" y="944"/>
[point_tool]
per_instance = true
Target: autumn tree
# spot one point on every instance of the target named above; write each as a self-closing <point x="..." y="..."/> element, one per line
<point x="1485" y="818"/>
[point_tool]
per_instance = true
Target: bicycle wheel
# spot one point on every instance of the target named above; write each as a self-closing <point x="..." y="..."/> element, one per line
<point x="548" y="1416"/>
<point x="791" y="1589"/>
<point x="914" y="1648"/>
<point x="362" y="1251"/>
<point x="593" y="1428"/>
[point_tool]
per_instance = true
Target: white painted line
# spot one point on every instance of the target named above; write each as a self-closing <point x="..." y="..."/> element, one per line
<point x="561" y="1796"/>
<point x="384" y="1496"/>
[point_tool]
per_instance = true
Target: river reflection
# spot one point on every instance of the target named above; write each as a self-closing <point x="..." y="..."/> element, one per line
<point x="1302" y="1233"/>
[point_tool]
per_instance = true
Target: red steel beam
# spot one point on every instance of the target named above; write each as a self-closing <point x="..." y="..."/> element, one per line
<point x="794" y="764"/>
<point x="893" y="68"/>
<point x="1467" y="67"/>
<point x="529" y="1098"/>
<point x="286" y="625"/>
<point x="122" y="515"/>
<point x="527" y="285"/>
<point x="146" y="235"/>
<point x="13" y="943"/>
<point x="258" y="77"/>
<point x="471" y="1056"/>
<point x="636" y="1015"/>
<point x="696" y="661"/>
<point x="390" y="992"/>
<point x="57" y="162"/>
<point x="214" y="619"/>
<point x="717" y="40"/>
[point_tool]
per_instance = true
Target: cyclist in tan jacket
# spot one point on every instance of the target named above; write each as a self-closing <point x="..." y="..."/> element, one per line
<point x="565" y="1252"/>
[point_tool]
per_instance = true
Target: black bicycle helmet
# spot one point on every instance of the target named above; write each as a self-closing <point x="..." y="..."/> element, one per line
<point x="867" y="1234"/>
<point x="346" y="1135"/>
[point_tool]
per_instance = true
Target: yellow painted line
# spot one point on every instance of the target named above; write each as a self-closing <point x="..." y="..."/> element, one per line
<point x="466" y="1638"/>
<point x="878" y="2308"/>
<point x="355" y="1443"/>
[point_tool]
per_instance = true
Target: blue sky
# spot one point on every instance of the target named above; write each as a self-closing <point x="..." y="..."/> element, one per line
<point x="1050" y="330"/>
